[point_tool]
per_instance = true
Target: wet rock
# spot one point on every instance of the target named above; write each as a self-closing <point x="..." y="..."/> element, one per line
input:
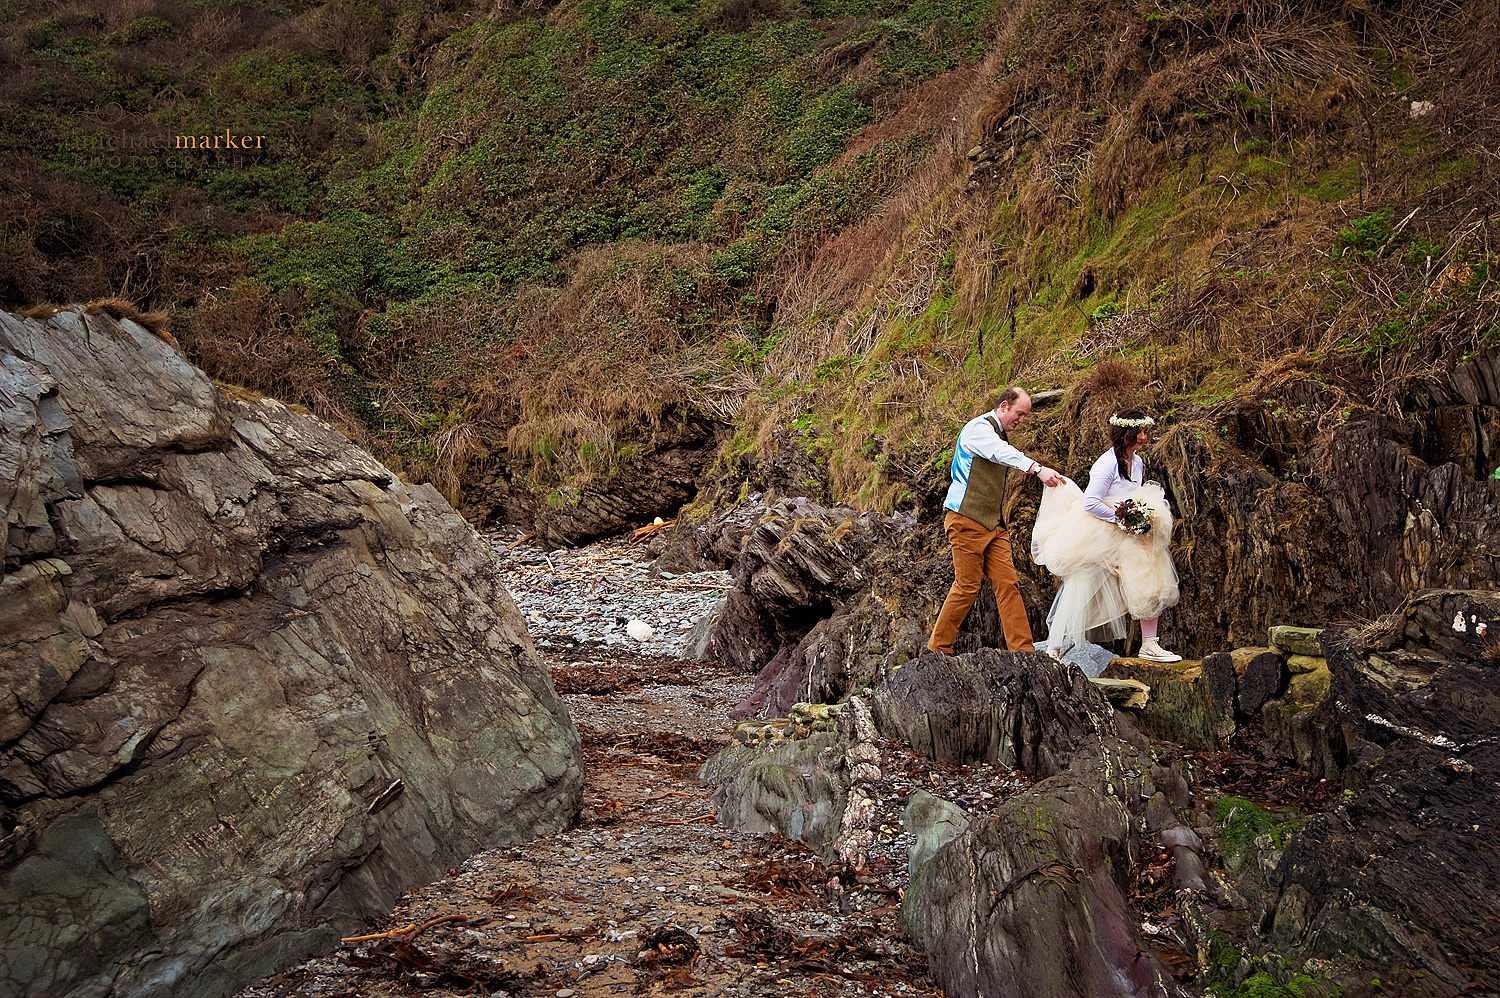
<point x="1309" y="738"/>
<point x="256" y="687"/>
<point x="1403" y="871"/>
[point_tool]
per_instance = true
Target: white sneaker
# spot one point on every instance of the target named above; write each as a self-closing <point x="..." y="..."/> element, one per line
<point x="1152" y="650"/>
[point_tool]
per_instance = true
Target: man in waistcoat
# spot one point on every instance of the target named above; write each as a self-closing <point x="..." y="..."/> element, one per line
<point x="985" y="468"/>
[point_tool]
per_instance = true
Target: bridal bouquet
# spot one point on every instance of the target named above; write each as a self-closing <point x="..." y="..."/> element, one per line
<point x="1133" y="517"/>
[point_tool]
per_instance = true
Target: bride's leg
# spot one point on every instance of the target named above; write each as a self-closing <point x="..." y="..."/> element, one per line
<point x="1151" y="648"/>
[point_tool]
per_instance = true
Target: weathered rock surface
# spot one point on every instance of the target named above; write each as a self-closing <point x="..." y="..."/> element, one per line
<point x="1030" y="900"/>
<point x="811" y="786"/>
<point x="1406" y="870"/>
<point x="1030" y="897"/>
<point x="795" y="566"/>
<point x="254" y="687"/>
<point x="1376" y="508"/>
<point x="1017" y="709"/>
<point x="1185" y="705"/>
<point x="1291" y="641"/>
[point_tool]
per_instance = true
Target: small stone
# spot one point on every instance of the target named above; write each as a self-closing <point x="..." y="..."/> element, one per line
<point x="1299" y="664"/>
<point x="565" y="993"/>
<point x="1294" y="640"/>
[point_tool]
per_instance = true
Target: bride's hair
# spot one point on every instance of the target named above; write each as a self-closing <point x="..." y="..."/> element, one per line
<point x="1121" y="437"/>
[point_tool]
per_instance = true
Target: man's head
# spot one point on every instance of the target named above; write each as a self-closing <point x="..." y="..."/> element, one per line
<point x="1015" y="405"/>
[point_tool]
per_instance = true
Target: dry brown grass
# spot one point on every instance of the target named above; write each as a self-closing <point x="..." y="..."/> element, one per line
<point x="158" y="323"/>
<point x="245" y="336"/>
<point x="574" y="374"/>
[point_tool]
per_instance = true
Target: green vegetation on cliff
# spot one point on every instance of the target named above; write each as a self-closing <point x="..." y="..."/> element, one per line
<point x="530" y="236"/>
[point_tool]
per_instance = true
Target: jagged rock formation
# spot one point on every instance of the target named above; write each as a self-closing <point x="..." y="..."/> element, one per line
<point x="254" y="687"/>
<point x="1030" y="897"/>
<point x="1014" y="709"/>
<point x="1405" y="870"/>
<point x="1327" y="524"/>
<point x="811" y="608"/>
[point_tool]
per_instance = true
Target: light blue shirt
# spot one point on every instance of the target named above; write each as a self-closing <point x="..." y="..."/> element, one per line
<point x="979" y="439"/>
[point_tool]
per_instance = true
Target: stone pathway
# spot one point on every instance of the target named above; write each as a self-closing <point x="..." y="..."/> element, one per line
<point x="590" y="595"/>
<point x="647" y="894"/>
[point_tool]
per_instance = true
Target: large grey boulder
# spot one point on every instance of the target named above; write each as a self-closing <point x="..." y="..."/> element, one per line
<point x="253" y="687"/>
<point x="1030" y="899"/>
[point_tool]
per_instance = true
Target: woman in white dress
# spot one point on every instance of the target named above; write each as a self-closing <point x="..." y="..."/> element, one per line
<point x="1109" y="546"/>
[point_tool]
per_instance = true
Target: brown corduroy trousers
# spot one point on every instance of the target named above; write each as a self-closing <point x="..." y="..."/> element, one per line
<point x="977" y="553"/>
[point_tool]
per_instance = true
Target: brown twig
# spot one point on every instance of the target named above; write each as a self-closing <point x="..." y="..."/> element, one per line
<point x="523" y="540"/>
<point x="641" y="533"/>
<point x="689" y="821"/>
<point x="408" y="932"/>
<point x="458" y="917"/>
<point x="390" y="934"/>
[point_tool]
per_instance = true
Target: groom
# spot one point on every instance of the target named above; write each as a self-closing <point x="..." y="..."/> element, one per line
<point x="985" y="468"/>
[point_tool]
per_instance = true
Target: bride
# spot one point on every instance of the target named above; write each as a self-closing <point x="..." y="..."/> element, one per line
<point x="1109" y="546"/>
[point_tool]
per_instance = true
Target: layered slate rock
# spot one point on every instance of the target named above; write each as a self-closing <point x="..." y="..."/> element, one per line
<point x="1028" y="898"/>
<point x="1016" y="709"/>
<point x="255" y="687"/>
<point x="1329" y="521"/>
<point x="1406" y="871"/>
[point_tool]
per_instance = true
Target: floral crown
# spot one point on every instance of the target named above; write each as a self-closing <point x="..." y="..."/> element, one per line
<point x="1132" y="423"/>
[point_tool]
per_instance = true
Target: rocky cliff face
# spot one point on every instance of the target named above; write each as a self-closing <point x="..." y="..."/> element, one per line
<point x="1406" y="869"/>
<point x="254" y="687"/>
<point x="1293" y="507"/>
